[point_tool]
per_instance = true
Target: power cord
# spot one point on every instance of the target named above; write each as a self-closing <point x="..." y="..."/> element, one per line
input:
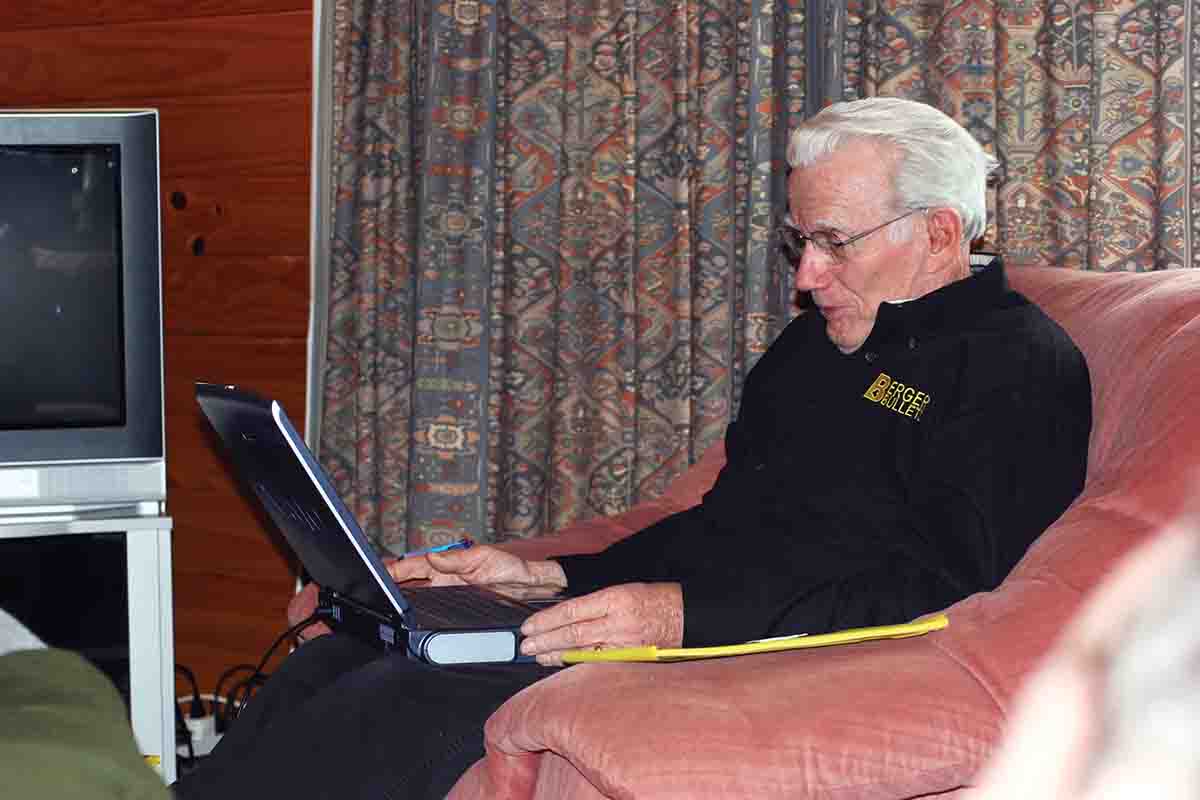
<point x="205" y="724"/>
<point x="197" y="705"/>
<point x="240" y="693"/>
<point x="183" y="733"/>
<point x="222" y="711"/>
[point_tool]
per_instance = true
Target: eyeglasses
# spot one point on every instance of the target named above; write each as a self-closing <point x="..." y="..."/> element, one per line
<point x="792" y="242"/>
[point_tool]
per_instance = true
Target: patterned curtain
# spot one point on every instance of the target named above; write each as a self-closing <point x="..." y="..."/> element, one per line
<point x="549" y="254"/>
<point x="1087" y="104"/>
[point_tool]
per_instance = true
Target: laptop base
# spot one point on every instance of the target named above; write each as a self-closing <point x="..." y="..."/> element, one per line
<point x="433" y="647"/>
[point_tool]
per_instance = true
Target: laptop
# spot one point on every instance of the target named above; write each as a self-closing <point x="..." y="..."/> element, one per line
<point x="435" y="624"/>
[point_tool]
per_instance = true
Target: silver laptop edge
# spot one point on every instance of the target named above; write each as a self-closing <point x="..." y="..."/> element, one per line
<point x="338" y="509"/>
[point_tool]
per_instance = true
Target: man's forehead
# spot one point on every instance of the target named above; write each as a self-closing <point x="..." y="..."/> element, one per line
<point x="841" y="187"/>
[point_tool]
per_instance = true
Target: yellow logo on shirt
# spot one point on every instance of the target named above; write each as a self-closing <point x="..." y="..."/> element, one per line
<point x="907" y="401"/>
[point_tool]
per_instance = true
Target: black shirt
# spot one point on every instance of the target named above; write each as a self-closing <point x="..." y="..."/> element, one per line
<point x="870" y="488"/>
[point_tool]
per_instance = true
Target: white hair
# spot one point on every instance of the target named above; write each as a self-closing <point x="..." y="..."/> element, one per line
<point x="939" y="163"/>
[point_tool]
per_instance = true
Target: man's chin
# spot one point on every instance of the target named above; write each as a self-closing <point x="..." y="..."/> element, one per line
<point x="847" y="341"/>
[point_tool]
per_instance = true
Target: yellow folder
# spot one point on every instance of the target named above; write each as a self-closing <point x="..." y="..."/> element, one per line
<point x="917" y="627"/>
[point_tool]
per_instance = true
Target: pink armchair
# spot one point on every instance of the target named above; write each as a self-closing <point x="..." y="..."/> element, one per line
<point x="895" y="719"/>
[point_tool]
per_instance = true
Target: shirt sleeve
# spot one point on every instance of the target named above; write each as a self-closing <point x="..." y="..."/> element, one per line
<point x="643" y="556"/>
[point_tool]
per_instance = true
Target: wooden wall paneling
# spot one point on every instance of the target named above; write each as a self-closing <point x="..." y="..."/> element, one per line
<point x="174" y="58"/>
<point x="220" y="547"/>
<point x="267" y="295"/>
<point x="59" y="13"/>
<point x="269" y="366"/>
<point x="237" y="216"/>
<point x="261" y="135"/>
<point x="223" y="272"/>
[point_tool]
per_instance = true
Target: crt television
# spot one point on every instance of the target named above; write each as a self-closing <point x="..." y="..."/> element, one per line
<point x="81" y="406"/>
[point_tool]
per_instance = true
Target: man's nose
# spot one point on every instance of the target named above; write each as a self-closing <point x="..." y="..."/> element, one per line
<point x="814" y="270"/>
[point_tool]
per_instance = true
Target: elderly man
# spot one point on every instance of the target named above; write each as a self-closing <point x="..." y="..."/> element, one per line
<point x="898" y="447"/>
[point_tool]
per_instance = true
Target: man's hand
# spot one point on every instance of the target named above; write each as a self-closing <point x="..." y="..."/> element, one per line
<point x="302" y="604"/>
<point x="628" y="615"/>
<point x="479" y="564"/>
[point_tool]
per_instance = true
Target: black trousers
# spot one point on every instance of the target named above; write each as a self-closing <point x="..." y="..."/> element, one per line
<point x="338" y="720"/>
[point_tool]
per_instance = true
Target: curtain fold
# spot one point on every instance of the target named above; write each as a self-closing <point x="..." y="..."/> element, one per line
<point x="375" y="151"/>
<point x="550" y="261"/>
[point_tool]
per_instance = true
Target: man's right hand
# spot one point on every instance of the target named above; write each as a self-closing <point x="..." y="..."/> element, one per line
<point x="302" y="604"/>
<point x="478" y="564"/>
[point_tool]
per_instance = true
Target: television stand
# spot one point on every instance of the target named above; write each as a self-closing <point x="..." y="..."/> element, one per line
<point x="150" y="642"/>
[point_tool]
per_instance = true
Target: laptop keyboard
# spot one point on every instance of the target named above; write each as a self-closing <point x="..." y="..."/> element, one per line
<point x="464" y="607"/>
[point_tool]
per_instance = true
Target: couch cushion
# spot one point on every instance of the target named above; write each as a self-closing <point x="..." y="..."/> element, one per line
<point x="1139" y="333"/>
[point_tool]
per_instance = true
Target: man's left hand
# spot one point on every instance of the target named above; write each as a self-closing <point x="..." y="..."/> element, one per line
<point x="629" y="615"/>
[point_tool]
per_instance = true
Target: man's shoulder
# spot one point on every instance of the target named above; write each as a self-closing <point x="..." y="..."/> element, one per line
<point x="1020" y="352"/>
<point x="1018" y="320"/>
<point x="1008" y="313"/>
<point x="1008" y="345"/>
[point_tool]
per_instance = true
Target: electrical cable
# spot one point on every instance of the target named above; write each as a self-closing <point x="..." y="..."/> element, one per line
<point x="229" y="673"/>
<point x="239" y="695"/>
<point x="197" y="709"/>
<point x="241" y="692"/>
<point x="222" y="713"/>
<point x="225" y="708"/>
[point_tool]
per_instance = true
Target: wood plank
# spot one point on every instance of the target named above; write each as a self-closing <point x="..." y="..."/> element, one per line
<point x="249" y="136"/>
<point x="221" y="534"/>
<point x="176" y="58"/>
<point x="254" y="296"/>
<point x="236" y="638"/>
<point x="233" y="215"/>
<point x="275" y="366"/>
<point x="42" y="14"/>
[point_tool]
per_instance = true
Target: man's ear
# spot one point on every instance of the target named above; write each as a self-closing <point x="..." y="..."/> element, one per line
<point x="945" y="230"/>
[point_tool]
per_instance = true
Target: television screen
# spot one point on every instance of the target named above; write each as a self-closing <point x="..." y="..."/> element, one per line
<point x="60" y="298"/>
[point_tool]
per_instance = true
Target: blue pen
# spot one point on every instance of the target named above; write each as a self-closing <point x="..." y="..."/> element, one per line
<point x="461" y="544"/>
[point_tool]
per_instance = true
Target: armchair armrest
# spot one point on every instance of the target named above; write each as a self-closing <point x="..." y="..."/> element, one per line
<point x="768" y="726"/>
